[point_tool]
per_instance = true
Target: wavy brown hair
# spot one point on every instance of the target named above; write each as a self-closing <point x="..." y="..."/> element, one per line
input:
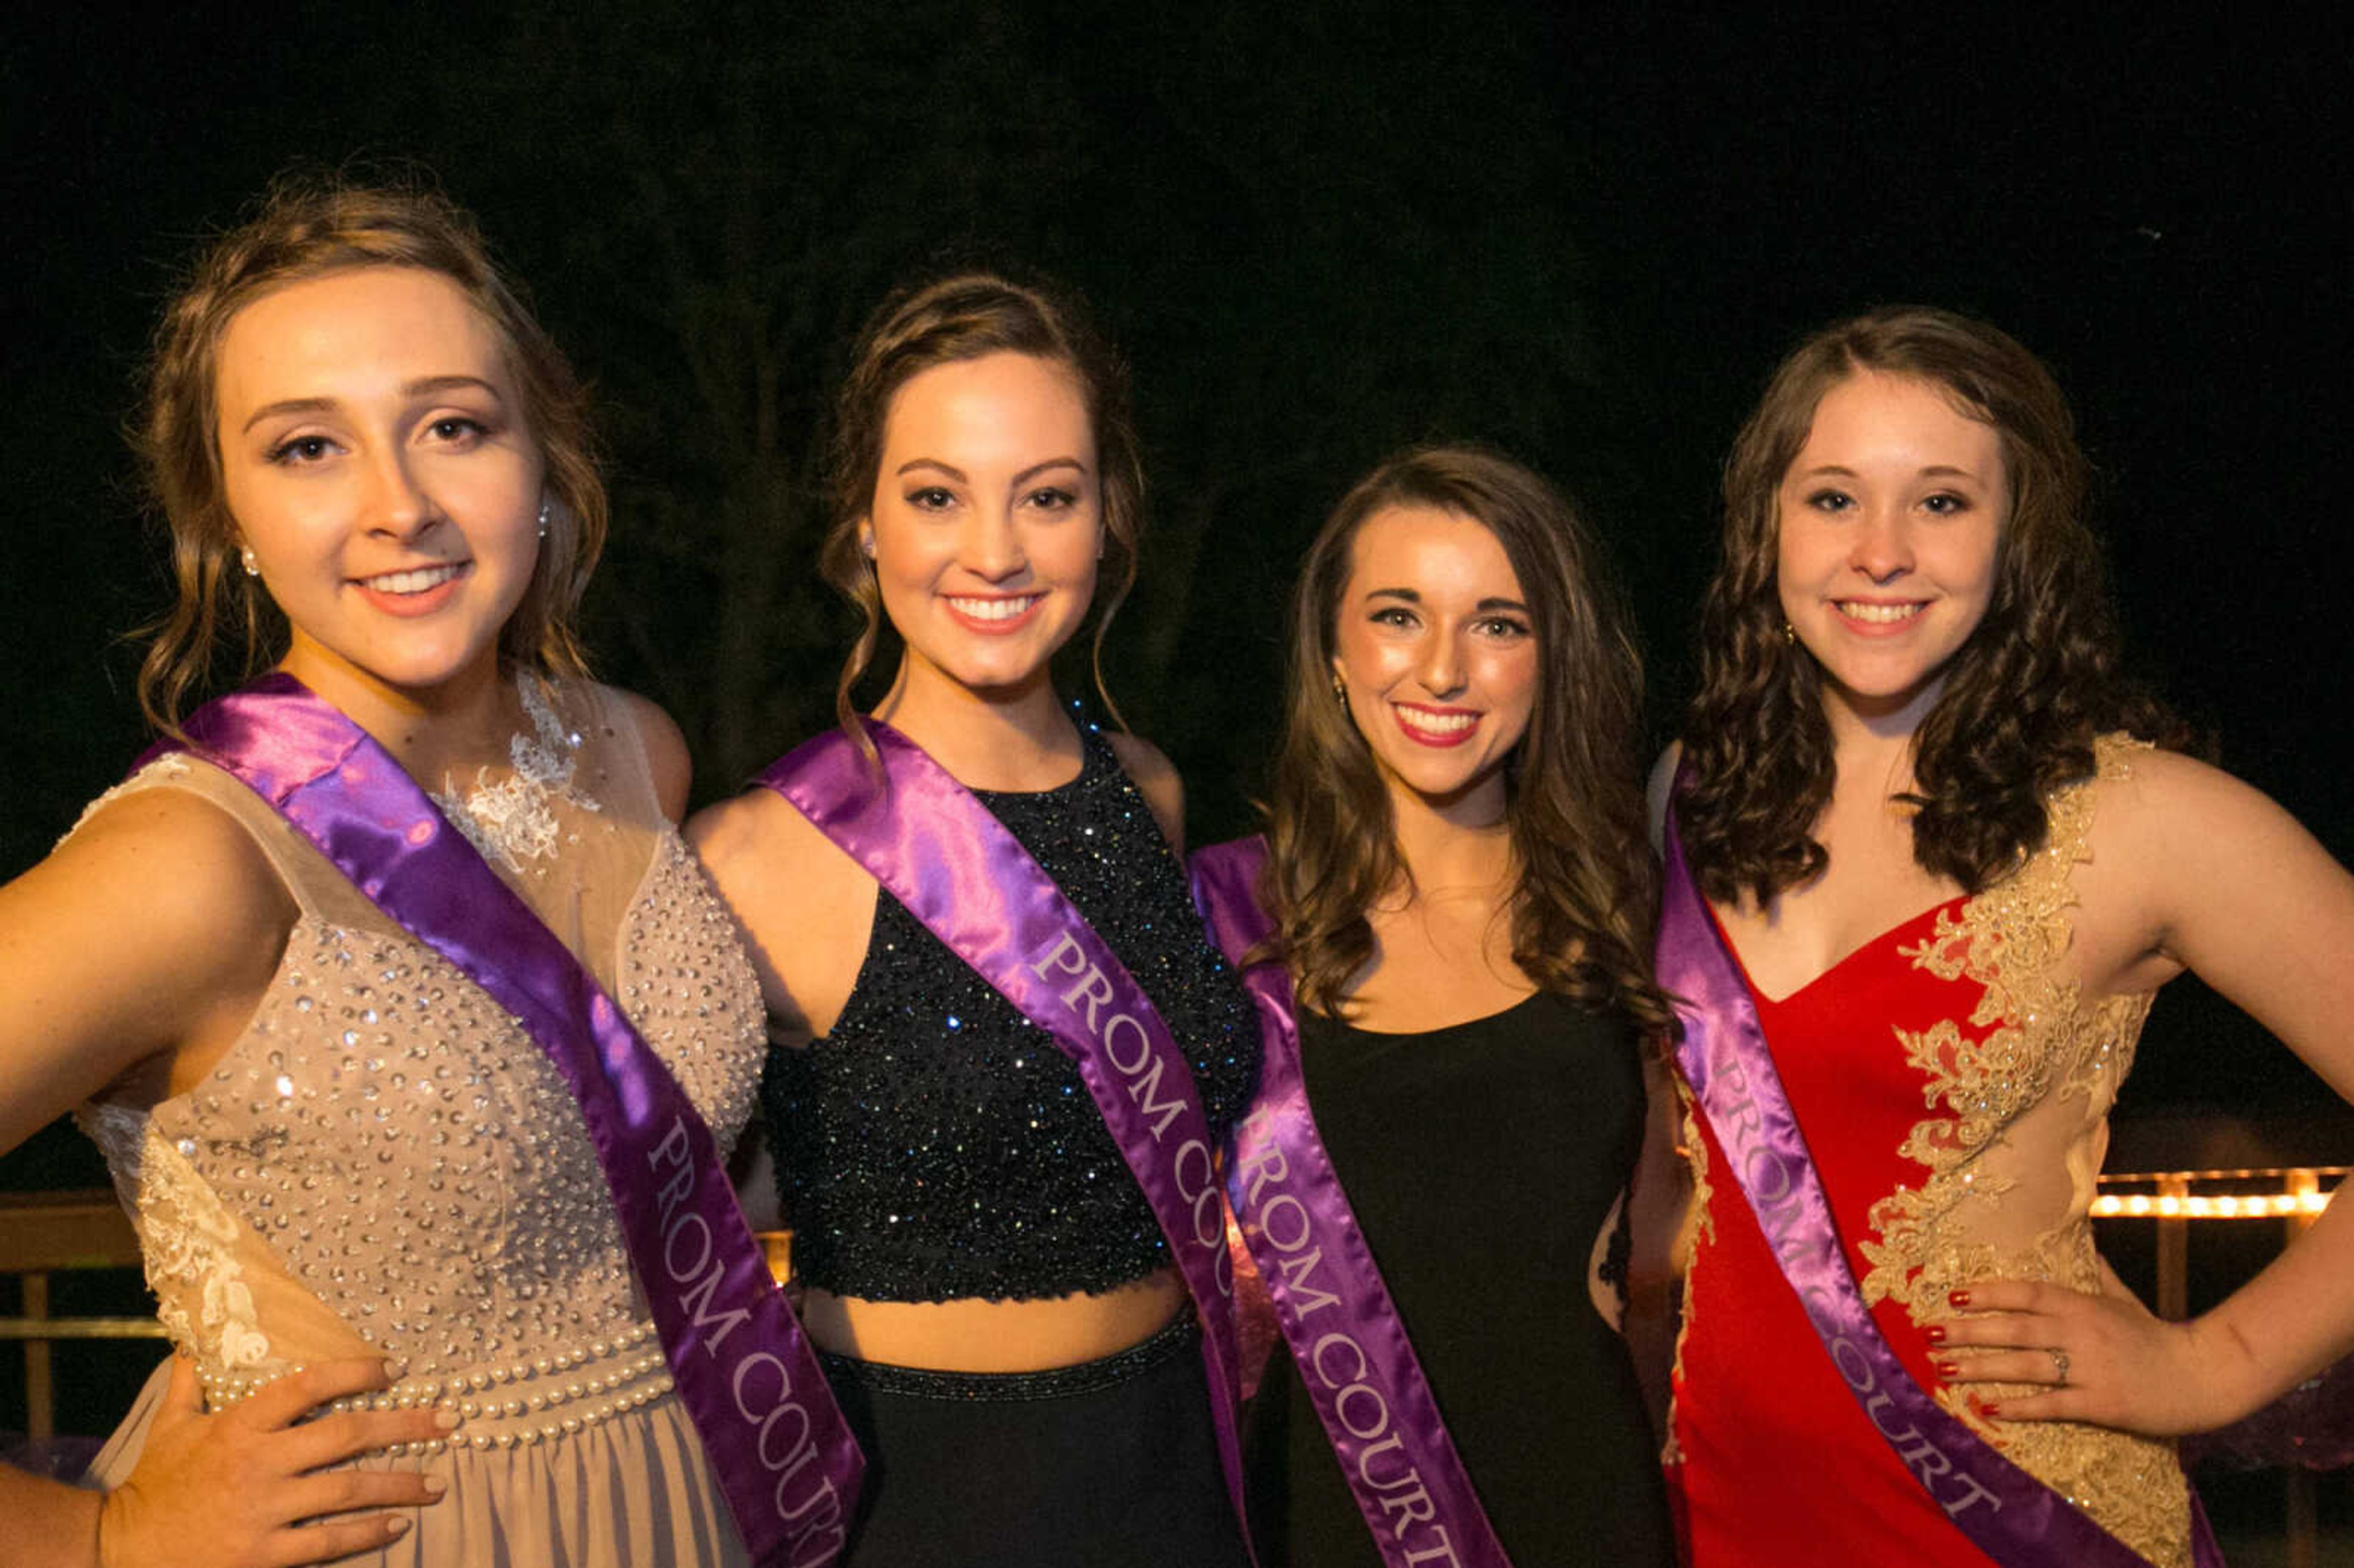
<point x="1583" y="906"/>
<point x="963" y="317"/>
<point x="309" y="226"/>
<point x="2025" y="695"/>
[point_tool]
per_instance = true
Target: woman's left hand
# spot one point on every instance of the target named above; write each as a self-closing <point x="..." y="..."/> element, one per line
<point x="2103" y="1359"/>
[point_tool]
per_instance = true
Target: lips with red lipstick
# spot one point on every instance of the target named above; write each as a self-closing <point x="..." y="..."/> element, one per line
<point x="415" y="590"/>
<point x="993" y="614"/>
<point x="1435" y="726"/>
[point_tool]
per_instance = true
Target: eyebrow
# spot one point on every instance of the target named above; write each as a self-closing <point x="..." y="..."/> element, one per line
<point x="1937" y="470"/>
<point x="1032" y="472"/>
<point x="423" y="386"/>
<point x="1485" y="607"/>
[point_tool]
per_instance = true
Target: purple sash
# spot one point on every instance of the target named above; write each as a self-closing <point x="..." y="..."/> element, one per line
<point x="783" y="1457"/>
<point x="1354" y="1360"/>
<point x="2008" y="1514"/>
<point x="956" y="869"/>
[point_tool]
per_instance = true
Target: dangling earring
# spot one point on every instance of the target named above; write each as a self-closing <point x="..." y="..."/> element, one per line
<point x="1340" y="689"/>
<point x="252" y="567"/>
<point x="1789" y="633"/>
<point x="543" y="519"/>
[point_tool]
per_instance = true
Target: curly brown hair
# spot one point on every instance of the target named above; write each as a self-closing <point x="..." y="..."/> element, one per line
<point x="2036" y="680"/>
<point x="967" y="316"/>
<point x="1582" y="910"/>
<point x="305" y="226"/>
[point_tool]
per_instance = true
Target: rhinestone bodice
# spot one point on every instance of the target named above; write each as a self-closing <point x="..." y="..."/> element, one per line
<point x="937" y="1145"/>
<point x="384" y="1160"/>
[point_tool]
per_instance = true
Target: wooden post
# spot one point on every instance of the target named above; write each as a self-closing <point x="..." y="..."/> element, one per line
<point x="2303" y="1502"/>
<point x="40" y="1379"/>
<point x="2173" y="1252"/>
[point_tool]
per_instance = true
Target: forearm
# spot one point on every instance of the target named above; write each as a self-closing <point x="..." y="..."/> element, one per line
<point x="48" y="1522"/>
<point x="2284" y="1325"/>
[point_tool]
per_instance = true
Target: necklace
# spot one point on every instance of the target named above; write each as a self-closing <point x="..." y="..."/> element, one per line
<point x="513" y="820"/>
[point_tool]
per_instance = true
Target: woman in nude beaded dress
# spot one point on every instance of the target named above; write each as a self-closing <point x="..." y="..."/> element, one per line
<point x="1931" y="871"/>
<point x="997" y="1304"/>
<point x="358" y="1181"/>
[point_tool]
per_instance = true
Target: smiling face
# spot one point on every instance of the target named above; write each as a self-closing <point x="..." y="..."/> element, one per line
<point x="1889" y="519"/>
<point x="987" y="520"/>
<point x="374" y="461"/>
<point x="1435" y="648"/>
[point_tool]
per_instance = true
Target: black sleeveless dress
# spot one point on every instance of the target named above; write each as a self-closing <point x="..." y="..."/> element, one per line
<point x="1481" y="1161"/>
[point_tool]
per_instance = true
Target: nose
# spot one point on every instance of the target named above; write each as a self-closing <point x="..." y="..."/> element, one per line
<point x="1883" y="547"/>
<point x="398" y="504"/>
<point x="1441" y="671"/>
<point x="992" y="545"/>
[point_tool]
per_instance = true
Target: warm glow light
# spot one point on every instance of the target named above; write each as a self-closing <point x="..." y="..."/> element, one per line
<point x="2226" y="1206"/>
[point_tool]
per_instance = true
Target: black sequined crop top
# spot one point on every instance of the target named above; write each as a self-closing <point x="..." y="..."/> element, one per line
<point x="937" y="1145"/>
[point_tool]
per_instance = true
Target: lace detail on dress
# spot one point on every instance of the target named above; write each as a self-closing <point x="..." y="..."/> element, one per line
<point x="1701" y="1227"/>
<point x="513" y="820"/>
<point x="188" y="1240"/>
<point x="2029" y="1043"/>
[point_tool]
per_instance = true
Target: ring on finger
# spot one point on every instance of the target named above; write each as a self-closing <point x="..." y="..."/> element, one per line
<point x="2059" y="1365"/>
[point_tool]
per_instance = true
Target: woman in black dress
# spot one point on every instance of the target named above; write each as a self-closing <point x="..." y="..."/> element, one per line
<point x="1458" y="886"/>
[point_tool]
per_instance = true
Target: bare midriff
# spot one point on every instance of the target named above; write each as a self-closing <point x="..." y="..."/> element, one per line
<point x="982" y="1336"/>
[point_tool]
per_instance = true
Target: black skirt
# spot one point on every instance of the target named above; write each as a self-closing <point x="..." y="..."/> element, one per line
<point x="1110" y="1462"/>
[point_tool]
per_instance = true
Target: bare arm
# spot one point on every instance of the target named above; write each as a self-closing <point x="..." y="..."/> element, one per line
<point x="2193" y="869"/>
<point x="665" y="748"/>
<point x="140" y="948"/>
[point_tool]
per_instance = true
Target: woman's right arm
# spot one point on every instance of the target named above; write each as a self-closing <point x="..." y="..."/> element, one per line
<point x="142" y="945"/>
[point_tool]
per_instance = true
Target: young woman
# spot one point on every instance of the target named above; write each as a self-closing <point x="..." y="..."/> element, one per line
<point x="1448" y="922"/>
<point x="1931" y="872"/>
<point x="947" y="905"/>
<point x="331" y="1033"/>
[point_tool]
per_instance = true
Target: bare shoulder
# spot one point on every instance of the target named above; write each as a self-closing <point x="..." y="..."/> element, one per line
<point x="665" y="747"/>
<point x="802" y="906"/>
<point x="1156" y="780"/>
<point x="151" y="931"/>
<point x="1658" y="790"/>
<point x="2163" y="805"/>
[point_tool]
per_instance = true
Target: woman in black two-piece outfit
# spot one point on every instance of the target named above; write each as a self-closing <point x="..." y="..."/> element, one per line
<point x="1461" y="893"/>
<point x="1004" y="1327"/>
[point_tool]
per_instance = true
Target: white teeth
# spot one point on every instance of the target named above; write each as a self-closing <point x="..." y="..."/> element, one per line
<point x="1878" y="614"/>
<point x="994" y="608"/>
<point x="1437" y="723"/>
<point x="416" y="581"/>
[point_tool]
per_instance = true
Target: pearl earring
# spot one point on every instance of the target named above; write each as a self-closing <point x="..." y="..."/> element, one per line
<point x="252" y="567"/>
<point x="543" y="519"/>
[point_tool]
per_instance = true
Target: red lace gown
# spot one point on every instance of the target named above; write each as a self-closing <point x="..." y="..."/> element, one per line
<point x="1773" y="1462"/>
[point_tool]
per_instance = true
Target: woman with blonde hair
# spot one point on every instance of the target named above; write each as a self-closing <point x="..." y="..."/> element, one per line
<point x="410" y="1028"/>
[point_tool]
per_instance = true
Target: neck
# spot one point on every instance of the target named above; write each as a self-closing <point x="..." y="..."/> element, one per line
<point x="1456" y="841"/>
<point x="1875" y="742"/>
<point x="1014" y="737"/>
<point x="444" y="731"/>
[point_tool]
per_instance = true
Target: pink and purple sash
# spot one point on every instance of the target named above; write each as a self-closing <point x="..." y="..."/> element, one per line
<point x="783" y="1457"/>
<point x="2010" y="1515"/>
<point x="1344" y="1333"/>
<point x="955" y="868"/>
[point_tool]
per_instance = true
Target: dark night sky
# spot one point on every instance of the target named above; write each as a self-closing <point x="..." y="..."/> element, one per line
<point x="1587" y="240"/>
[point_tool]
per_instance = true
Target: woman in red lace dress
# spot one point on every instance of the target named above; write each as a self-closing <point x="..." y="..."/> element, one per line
<point x="1943" y="860"/>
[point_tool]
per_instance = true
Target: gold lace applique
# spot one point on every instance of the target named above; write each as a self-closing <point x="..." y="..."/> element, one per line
<point x="1702" y="1228"/>
<point x="2035" y="1042"/>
